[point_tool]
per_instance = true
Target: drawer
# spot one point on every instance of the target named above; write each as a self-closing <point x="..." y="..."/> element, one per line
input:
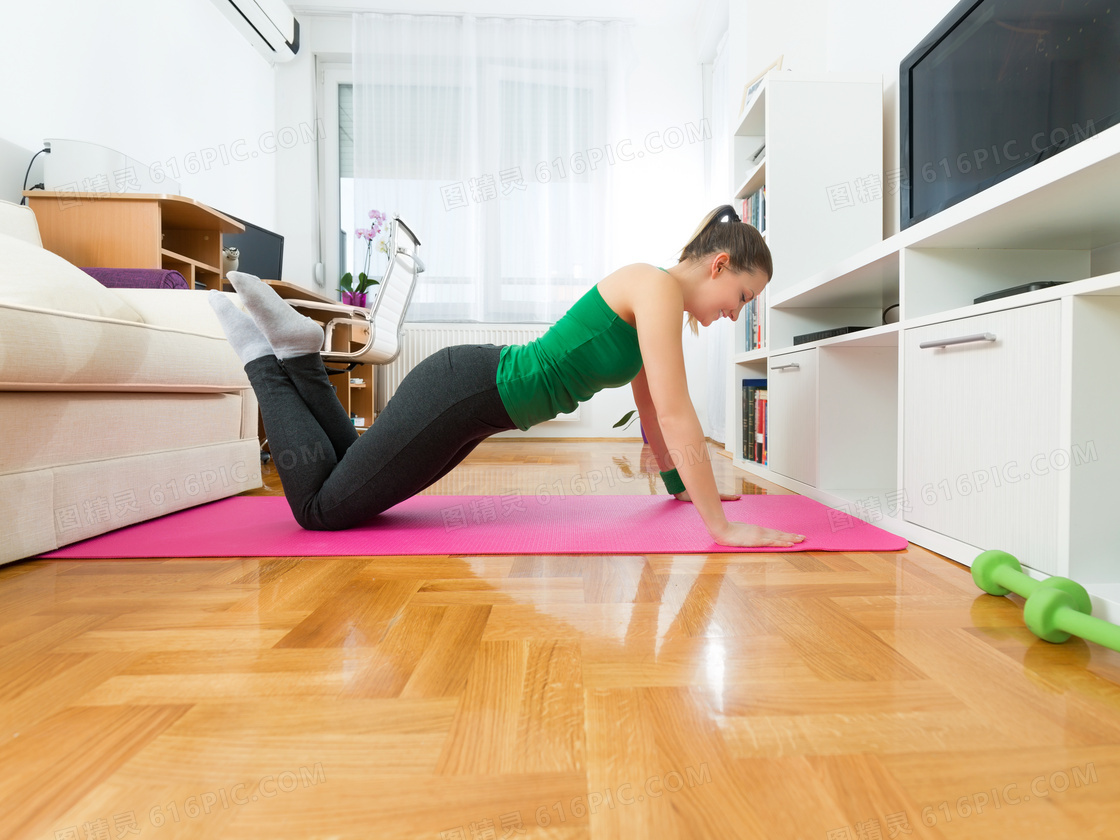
<point x="980" y="424"/>
<point x="793" y="411"/>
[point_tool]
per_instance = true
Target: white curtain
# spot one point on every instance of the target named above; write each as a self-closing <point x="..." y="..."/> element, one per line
<point x="720" y="332"/>
<point x="492" y="139"/>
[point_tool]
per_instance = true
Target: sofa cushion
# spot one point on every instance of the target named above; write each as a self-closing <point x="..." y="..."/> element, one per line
<point x="64" y="351"/>
<point x="31" y="276"/>
<point x="19" y="222"/>
<point x="48" y="508"/>
<point x="54" y="429"/>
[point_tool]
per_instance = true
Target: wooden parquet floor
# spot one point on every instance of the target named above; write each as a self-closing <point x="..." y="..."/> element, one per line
<point x="783" y="696"/>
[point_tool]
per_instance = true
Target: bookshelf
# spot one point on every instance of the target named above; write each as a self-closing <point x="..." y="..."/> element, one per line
<point x="811" y="144"/>
<point x="966" y="427"/>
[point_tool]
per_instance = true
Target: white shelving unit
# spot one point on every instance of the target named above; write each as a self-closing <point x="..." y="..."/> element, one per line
<point x="814" y="142"/>
<point x="1004" y="433"/>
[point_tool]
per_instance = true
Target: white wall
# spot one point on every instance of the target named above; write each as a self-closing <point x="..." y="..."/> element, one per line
<point x="157" y="81"/>
<point x="874" y="36"/>
<point x="325" y="37"/>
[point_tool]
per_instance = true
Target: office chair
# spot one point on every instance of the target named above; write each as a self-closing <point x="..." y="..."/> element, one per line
<point x="383" y="323"/>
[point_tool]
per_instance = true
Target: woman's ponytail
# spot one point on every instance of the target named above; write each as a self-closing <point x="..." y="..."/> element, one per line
<point x="723" y="230"/>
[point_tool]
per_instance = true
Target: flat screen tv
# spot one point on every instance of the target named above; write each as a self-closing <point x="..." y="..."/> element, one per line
<point x="999" y="86"/>
<point x="261" y="250"/>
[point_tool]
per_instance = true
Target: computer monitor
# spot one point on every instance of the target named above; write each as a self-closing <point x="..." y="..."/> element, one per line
<point x="261" y="250"/>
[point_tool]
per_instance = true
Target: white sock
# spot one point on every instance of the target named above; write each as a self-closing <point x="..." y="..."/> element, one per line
<point x="289" y="333"/>
<point x="244" y="336"/>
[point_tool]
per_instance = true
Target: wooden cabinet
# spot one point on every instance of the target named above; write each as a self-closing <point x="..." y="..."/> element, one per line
<point x="128" y="230"/>
<point x="980" y="427"/>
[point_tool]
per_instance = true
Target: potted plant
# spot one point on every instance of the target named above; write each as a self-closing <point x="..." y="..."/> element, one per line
<point x="352" y="294"/>
<point x="346" y="288"/>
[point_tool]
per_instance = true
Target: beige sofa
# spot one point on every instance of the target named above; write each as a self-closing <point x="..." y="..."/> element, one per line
<point x="116" y="405"/>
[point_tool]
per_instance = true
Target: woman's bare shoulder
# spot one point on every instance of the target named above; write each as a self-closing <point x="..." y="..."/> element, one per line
<point x="636" y="283"/>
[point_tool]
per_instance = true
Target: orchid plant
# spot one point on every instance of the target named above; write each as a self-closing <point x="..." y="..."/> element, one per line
<point x="371" y="234"/>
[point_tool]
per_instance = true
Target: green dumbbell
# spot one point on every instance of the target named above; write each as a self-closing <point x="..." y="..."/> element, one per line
<point x="998" y="573"/>
<point x="1054" y="616"/>
<point x="1056" y="608"/>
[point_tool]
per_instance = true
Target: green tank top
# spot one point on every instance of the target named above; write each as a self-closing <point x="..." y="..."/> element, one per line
<point x="587" y="350"/>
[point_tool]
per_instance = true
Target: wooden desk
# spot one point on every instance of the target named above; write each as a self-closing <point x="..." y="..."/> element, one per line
<point x="134" y="230"/>
<point x="292" y="291"/>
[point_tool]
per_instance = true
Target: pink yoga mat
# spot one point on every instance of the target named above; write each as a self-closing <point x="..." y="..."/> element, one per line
<point x="263" y="526"/>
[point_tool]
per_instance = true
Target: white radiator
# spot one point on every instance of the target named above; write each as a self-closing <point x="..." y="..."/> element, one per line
<point x="421" y="340"/>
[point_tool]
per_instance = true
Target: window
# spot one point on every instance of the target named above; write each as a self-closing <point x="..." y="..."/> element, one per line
<point x="486" y="158"/>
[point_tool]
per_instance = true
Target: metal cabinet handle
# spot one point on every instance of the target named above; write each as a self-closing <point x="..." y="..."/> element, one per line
<point x="790" y="366"/>
<point x="963" y="339"/>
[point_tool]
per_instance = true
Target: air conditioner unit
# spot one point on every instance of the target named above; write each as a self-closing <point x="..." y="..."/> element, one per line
<point x="269" y="25"/>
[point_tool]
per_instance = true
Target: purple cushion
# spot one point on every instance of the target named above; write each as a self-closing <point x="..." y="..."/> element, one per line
<point x="138" y="278"/>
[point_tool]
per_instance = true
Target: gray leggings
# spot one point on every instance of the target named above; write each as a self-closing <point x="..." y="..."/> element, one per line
<point x="335" y="479"/>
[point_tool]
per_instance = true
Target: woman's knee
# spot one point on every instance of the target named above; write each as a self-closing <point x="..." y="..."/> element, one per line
<point x="336" y="520"/>
<point x="312" y="520"/>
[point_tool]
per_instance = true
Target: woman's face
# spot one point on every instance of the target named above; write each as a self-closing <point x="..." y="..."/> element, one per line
<point x="725" y="292"/>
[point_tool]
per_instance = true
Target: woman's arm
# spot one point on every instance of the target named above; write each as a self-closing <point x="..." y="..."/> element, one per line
<point x="652" y="429"/>
<point x="648" y="416"/>
<point x="658" y="313"/>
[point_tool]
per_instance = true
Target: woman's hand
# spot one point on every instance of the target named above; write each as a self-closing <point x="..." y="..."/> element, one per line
<point x="723" y="497"/>
<point x="742" y="535"/>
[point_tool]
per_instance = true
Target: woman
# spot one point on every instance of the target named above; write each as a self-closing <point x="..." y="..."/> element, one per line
<point x="627" y="328"/>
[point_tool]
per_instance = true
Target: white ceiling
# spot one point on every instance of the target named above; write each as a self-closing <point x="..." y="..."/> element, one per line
<point x="652" y="12"/>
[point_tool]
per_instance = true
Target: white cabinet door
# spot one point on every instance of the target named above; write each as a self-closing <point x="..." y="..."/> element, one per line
<point x="792" y="409"/>
<point x="981" y="430"/>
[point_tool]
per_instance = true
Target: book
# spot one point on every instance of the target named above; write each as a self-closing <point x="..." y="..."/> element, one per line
<point x="754" y="323"/>
<point x="753" y="209"/>
<point x="763" y="402"/>
<point x="751" y="389"/>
